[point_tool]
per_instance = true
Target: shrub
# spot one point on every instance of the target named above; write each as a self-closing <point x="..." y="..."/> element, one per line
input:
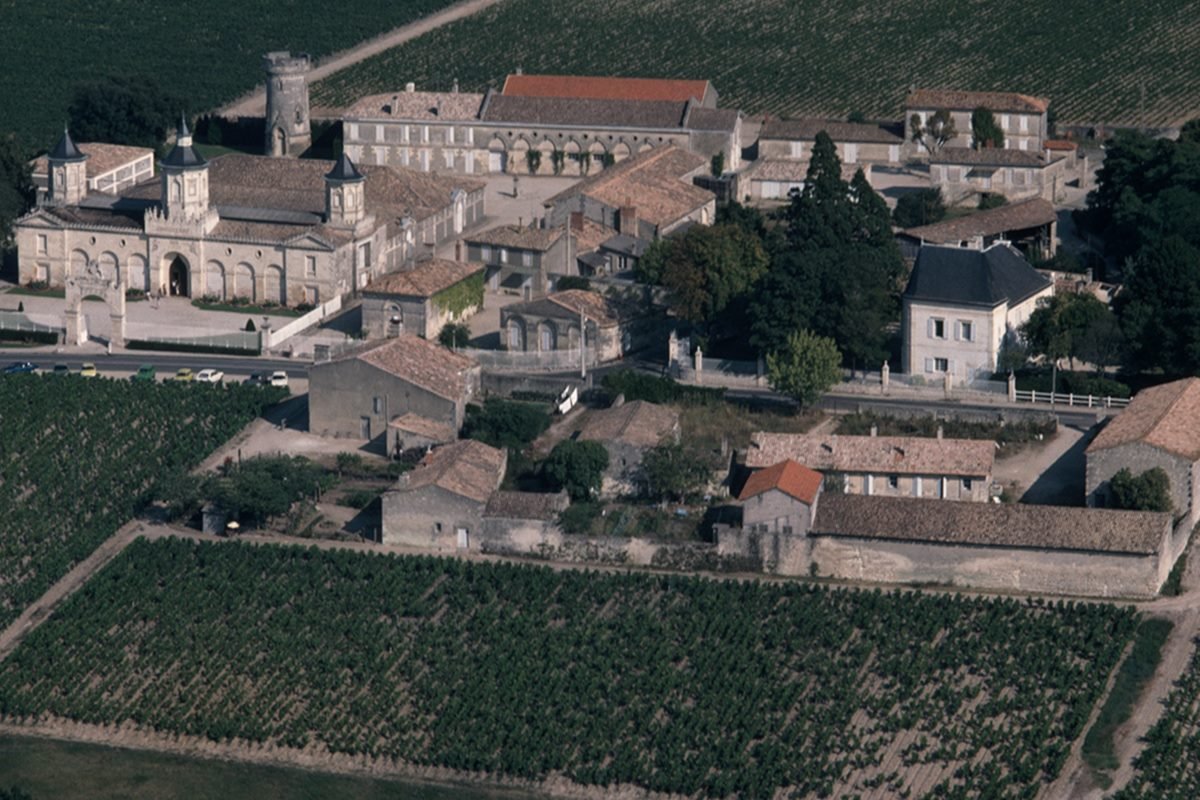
<point x="250" y="326"/>
<point x="505" y="423"/>
<point x="922" y="207"/>
<point x="578" y="467"/>
<point x="187" y="347"/>
<point x="360" y="499"/>
<point x="991" y="200"/>
<point x="568" y="282"/>
<point x="1150" y="491"/>
<point x="454" y="334"/>
<point x="642" y="386"/>
<point x="578" y="517"/>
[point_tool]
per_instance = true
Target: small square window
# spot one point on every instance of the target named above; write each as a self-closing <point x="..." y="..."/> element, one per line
<point x="966" y="484"/>
<point x="939" y="328"/>
<point x="941" y="365"/>
<point x="968" y="331"/>
<point x="377" y="405"/>
<point x="893" y="481"/>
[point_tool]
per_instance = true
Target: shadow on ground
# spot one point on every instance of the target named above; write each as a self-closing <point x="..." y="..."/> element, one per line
<point x="1062" y="484"/>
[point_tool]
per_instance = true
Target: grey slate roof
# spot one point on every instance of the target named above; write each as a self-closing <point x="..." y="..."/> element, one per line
<point x="184" y="156"/>
<point x="583" y="112"/>
<point x="625" y="245"/>
<point x="806" y="129"/>
<point x="960" y="276"/>
<point x="344" y="171"/>
<point x="66" y="150"/>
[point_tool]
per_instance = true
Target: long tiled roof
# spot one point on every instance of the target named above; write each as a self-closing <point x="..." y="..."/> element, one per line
<point x="423" y="426"/>
<point x="912" y="519"/>
<point x="806" y="129"/>
<point x="638" y="423"/>
<point x="526" y="505"/>
<point x="1011" y="217"/>
<point x="422" y="106"/>
<point x="963" y="276"/>
<point x="523" y="237"/>
<point x="424" y="279"/>
<point x="701" y="118"/>
<point x="879" y="455"/>
<point x="467" y="468"/>
<point x="969" y="101"/>
<point x="582" y="112"/>
<point x="795" y="480"/>
<point x="419" y="362"/>
<point x="655" y="182"/>
<point x="102" y="158"/>
<point x="1165" y="416"/>
<point x="605" y="88"/>
<point x="988" y="157"/>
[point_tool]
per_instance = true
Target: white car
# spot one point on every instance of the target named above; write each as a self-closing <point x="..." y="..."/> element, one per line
<point x="210" y="376"/>
<point x="279" y="378"/>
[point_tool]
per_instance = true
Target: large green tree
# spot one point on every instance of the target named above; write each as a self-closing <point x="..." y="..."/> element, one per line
<point x="119" y="110"/>
<point x="922" y="207"/>
<point x="984" y="129"/>
<point x="1159" y="308"/>
<point x="1060" y="326"/>
<point x="1149" y="491"/>
<point x="16" y="188"/>
<point x="936" y="132"/>
<point x="805" y="368"/>
<point x="838" y="273"/>
<point x="710" y="269"/>
<point x="576" y="466"/>
<point x="673" y="471"/>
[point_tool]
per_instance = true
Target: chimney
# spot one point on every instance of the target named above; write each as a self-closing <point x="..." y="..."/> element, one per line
<point x="410" y="87"/>
<point x="577" y="221"/>
<point x="458" y="250"/>
<point x="939" y="432"/>
<point x="627" y="221"/>
<point x="874" y="430"/>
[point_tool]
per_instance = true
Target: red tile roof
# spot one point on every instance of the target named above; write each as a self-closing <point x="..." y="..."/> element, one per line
<point x="795" y="480"/>
<point x="604" y="88"/>
<point x="1166" y="416"/>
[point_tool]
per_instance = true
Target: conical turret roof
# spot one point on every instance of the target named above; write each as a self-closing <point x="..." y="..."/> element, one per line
<point x="66" y="150"/>
<point x="184" y="155"/>
<point x="344" y="171"/>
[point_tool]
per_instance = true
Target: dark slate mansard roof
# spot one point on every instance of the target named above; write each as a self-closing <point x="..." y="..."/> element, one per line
<point x="66" y="150"/>
<point x="961" y="276"/>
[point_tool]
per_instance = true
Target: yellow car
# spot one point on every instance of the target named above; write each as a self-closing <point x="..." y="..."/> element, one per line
<point x="184" y="375"/>
<point x="88" y="371"/>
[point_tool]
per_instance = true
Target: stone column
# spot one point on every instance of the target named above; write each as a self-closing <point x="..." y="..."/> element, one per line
<point x="947" y="383"/>
<point x="885" y="377"/>
<point x="1012" y="388"/>
<point x="699" y="365"/>
<point x="76" y="326"/>
<point x="760" y="378"/>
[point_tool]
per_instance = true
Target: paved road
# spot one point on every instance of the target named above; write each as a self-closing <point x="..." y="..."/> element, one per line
<point x="166" y="363"/>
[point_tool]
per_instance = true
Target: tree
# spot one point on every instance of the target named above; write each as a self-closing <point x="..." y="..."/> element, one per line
<point x="264" y="487"/>
<point x="505" y="423"/>
<point x="922" y="207"/>
<point x="17" y="192"/>
<point x="991" y="200"/>
<point x="1150" y="491"/>
<point x="1157" y="308"/>
<point x="805" y="368"/>
<point x="576" y="466"/>
<point x="1059" y="326"/>
<point x="120" y="110"/>
<point x="650" y="266"/>
<point x="936" y="132"/>
<point x="454" y="335"/>
<point x="672" y="471"/>
<point x="717" y="164"/>
<point x="567" y="282"/>
<point x="709" y="268"/>
<point x="984" y="129"/>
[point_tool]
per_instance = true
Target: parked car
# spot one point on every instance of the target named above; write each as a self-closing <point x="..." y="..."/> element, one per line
<point x="279" y="378"/>
<point x="257" y="379"/>
<point x="210" y="376"/>
<point x="20" y="367"/>
<point x="61" y="369"/>
<point x="88" y="371"/>
<point x="146" y="372"/>
<point x="184" y="375"/>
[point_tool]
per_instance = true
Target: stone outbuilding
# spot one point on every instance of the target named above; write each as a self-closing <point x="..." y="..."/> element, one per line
<point x="1031" y="225"/>
<point x="364" y="389"/>
<point x="961" y="172"/>
<point x="522" y="522"/>
<point x="785" y="147"/>
<point x="627" y="431"/>
<point x="421" y="299"/>
<point x="552" y="323"/>
<point x="893" y="466"/>
<point x="1159" y="428"/>
<point x="440" y="503"/>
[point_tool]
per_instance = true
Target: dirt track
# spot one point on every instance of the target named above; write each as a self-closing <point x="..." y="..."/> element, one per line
<point x="255" y="103"/>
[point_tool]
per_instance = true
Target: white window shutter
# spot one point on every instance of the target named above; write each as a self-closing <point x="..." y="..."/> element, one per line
<point x="957" y="331"/>
<point x="929" y="327"/>
<point x="929" y="365"/>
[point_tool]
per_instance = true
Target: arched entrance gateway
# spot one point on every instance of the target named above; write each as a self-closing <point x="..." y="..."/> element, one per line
<point x="95" y="277"/>
<point x="178" y="276"/>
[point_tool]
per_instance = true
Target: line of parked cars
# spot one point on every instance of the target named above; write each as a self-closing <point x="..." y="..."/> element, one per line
<point x="149" y="373"/>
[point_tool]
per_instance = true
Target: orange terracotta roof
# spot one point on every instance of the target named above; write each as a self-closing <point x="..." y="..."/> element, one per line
<point x="467" y="468"/>
<point x="604" y="88"/>
<point x="968" y="101"/>
<point x="420" y="362"/>
<point x="1060" y="144"/>
<point x="899" y="455"/>
<point x="424" y="279"/>
<point x="795" y="480"/>
<point x="1165" y="416"/>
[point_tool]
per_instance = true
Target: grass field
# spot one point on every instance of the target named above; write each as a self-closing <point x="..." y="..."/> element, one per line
<point x="69" y="771"/>
<point x="696" y="687"/>
<point x="1104" y="60"/>
<point x="205" y="53"/>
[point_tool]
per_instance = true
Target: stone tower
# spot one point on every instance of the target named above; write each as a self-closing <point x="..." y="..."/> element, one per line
<point x="345" y="194"/>
<point x="185" y="182"/>
<point x="287" y="124"/>
<point x="68" y="173"/>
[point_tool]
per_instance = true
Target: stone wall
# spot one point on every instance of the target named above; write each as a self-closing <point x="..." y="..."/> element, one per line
<point x="430" y="517"/>
<point x="1137" y="458"/>
<point x="545" y="540"/>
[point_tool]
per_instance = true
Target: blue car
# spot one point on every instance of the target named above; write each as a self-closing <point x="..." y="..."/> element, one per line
<point x="18" y="367"/>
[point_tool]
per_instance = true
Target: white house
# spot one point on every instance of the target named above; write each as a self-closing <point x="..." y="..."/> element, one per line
<point x="961" y="305"/>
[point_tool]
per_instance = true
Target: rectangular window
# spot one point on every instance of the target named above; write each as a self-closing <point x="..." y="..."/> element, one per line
<point x="41" y="243"/>
<point x="404" y="133"/>
<point x="941" y="365"/>
<point x="953" y="173"/>
<point x="377" y="405"/>
<point x="851" y="153"/>
<point x="893" y="481"/>
<point x="469" y="163"/>
<point x="1004" y="122"/>
<point x="448" y="156"/>
<point x="450" y="135"/>
<point x="1024" y="122"/>
<point x="937" y="328"/>
<point x="312" y="295"/>
<point x="503" y="256"/>
<point x="797" y="149"/>
<point x="424" y="133"/>
<point x="470" y="136"/>
<point x="966" y="484"/>
<point x="485" y="253"/>
<point x="379" y="133"/>
<point x="966" y="331"/>
<point x="527" y="258"/>
<point x="352" y="131"/>
<point x="425" y="160"/>
<point x="310" y="265"/>
<point x="364" y="255"/>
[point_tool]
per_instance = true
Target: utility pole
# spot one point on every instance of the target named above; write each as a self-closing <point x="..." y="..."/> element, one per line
<point x="582" y="344"/>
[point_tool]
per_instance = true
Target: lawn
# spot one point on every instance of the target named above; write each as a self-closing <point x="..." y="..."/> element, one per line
<point x="1100" y="61"/>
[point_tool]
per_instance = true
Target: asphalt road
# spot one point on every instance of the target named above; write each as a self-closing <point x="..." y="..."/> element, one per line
<point x="165" y="363"/>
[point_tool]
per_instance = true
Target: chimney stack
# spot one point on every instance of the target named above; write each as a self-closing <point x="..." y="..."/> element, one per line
<point x="627" y="221"/>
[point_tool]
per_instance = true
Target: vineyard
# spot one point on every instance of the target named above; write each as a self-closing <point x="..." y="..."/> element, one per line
<point x="1169" y="767"/>
<point x="203" y="53"/>
<point x="677" y="684"/>
<point x="1107" y="61"/>
<point x="78" y="457"/>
